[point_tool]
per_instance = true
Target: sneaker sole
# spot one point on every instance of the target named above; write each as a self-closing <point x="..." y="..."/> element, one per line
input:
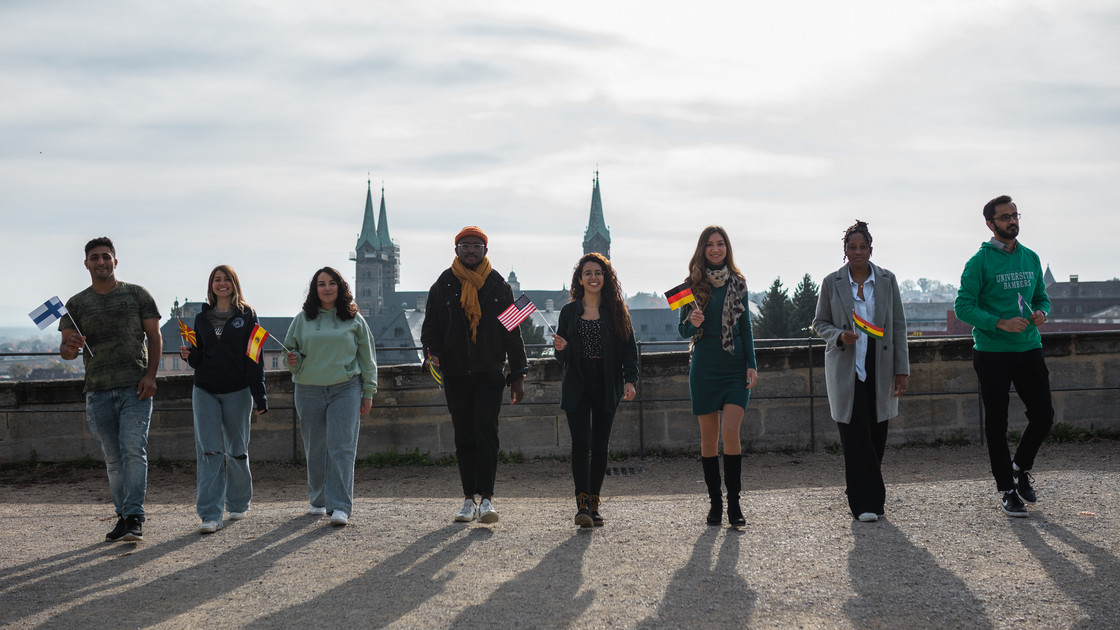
<point x="1022" y="514"/>
<point x="464" y="519"/>
<point x="492" y="517"/>
<point x="133" y="537"/>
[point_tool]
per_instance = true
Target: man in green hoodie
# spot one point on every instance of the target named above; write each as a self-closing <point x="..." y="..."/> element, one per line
<point x="1003" y="297"/>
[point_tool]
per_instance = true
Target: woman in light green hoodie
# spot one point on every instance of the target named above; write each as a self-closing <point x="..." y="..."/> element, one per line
<point x="334" y="366"/>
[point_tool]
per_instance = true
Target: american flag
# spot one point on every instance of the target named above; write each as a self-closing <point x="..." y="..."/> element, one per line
<point x="517" y="312"/>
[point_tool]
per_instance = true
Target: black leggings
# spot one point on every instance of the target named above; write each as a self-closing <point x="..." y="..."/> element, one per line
<point x="591" y="431"/>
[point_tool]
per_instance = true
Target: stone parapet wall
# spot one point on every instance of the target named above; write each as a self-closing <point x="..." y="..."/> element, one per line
<point x="46" y="419"/>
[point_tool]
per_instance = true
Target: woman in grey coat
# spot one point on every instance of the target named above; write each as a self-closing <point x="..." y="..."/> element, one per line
<point x="866" y="361"/>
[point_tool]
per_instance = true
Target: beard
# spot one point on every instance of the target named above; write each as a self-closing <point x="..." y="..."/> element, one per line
<point x="1010" y="233"/>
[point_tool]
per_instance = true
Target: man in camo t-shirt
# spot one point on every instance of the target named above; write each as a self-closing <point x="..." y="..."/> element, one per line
<point x="120" y="380"/>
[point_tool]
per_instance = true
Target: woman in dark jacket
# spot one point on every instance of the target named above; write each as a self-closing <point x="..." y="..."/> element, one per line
<point x="594" y="341"/>
<point x="227" y="383"/>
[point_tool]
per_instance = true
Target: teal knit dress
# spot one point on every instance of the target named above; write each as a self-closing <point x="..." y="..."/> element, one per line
<point x="715" y="376"/>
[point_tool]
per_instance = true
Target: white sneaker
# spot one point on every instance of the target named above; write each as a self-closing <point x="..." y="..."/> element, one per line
<point x="338" y="517"/>
<point x="468" y="513"/>
<point x="209" y="527"/>
<point x="317" y="511"/>
<point x="487" y="513"/>
<point x="868" y="517"/>
<point x="236" y="516"/>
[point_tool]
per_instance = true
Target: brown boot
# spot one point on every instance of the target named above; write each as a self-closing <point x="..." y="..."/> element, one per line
<point x="595" y="518"/>
<point x="583" y="513"/>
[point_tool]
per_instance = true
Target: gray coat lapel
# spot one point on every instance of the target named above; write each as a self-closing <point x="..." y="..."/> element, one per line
<point x="844" y="288"/>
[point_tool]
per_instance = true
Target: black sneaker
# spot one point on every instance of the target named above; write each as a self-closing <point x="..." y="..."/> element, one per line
<point x="134" y="528"/>
<point x="118" y="531"/>
<point x="1013" y="505"/>
<point x="1023" y="479"/>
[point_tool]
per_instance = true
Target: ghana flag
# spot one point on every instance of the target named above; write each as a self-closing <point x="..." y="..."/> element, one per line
<point x="871" y="329"/>
<point x="679" y="295"/>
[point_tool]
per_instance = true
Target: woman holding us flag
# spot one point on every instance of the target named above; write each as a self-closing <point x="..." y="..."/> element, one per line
<point x="227" y="384"/>
<point x="594" y="341"/>
<point x="866" y="363"/>
<point x="722" y="368"/>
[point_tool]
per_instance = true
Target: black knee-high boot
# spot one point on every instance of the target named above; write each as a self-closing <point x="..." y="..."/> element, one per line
<point x="715" y="493"/>
<point x="732" y="470"/>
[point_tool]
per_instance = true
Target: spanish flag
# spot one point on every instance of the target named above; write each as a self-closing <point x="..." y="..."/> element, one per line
<point x="256" y="343"/>
<point x="679" y="295"/>
<point x="188" y="335"/>
<point x="871" y="329"/>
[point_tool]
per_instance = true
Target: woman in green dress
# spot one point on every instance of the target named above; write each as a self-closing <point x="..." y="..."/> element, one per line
<point x="723" y="367"/>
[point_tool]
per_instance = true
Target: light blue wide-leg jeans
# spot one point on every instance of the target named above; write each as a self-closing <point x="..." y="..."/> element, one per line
<point x="119" y="420"/>
<point x="221" y="446"/>
<point x="329" y="416"/>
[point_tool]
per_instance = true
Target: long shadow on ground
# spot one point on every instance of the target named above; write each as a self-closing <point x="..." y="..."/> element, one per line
<point x="1096" y="590"/>
<point x="900" y="585"/>
<point x="389" y="590"/>
<point x="703" y="595"/>
<point x="182" y="591"/>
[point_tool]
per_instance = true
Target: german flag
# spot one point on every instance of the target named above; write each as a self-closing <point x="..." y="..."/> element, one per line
<point x="871" y="329"/>
<point x="256" y="343"/>
<point x="679" y="295"/>
<point x="188" y="335"/>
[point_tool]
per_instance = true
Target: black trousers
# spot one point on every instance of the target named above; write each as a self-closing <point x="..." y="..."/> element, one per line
<point x="474" y="401"/>
<point x="996" y="372"/>
<point x="864" y="440"/>
<point x="591" y="431"/>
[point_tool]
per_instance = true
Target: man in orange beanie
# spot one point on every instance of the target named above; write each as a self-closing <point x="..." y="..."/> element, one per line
<point x="466" y="342"/>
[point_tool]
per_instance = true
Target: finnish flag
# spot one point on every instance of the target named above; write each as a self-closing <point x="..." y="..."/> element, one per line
<point x="48" y="313"/>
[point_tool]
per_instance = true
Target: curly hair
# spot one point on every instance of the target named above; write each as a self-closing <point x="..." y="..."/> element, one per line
<point x="345" y="308"/>
<point x="697" y="277"/>
<point x="618" y="316"/>
<point x="859" y="227"/>
<point x="237" y="300"/>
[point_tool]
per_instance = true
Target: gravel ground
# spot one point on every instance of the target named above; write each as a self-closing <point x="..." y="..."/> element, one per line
<point x="944" y="557"/>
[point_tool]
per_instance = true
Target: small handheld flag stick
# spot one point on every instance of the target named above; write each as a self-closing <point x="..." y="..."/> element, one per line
<point x="279" y="342"/>
<point x="546" y="322"/>
<point x="86" y="345"/>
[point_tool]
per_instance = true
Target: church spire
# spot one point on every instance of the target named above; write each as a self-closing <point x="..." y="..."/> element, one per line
<point x="369" y="232"/>
<point x="597" y="238"/>
<point x="383" y="222"/>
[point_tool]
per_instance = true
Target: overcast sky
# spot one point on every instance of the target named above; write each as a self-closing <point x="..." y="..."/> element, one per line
<point x="197" y="133"/>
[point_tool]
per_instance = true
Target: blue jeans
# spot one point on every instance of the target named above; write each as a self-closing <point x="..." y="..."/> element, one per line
<point x="329" y="416"/>
<point x="221" y="445"/>
<point x="119" y="420"/>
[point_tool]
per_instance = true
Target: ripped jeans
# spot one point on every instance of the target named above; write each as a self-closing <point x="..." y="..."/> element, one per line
<point x="221" y="444"/>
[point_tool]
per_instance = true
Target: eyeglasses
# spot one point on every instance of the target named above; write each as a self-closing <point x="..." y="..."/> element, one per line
<point x="1004" y="218"/>
<point x="471" y="247"/>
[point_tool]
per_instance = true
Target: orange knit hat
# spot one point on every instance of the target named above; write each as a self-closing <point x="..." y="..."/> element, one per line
<point x="471" y="230"/>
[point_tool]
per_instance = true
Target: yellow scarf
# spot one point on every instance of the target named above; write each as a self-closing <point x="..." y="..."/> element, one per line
<point x="472" y="280"/>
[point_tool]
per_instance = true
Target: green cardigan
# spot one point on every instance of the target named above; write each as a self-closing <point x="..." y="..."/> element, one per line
<point x="620" y="361"/>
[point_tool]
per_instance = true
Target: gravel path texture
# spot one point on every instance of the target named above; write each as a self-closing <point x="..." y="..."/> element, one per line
<point x="945" y="556"/>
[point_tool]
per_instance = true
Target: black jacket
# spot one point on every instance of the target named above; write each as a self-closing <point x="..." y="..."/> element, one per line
<point x="620" y="361"/>
<point x="446" y="335"/>
<point x="221" y="366"/>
